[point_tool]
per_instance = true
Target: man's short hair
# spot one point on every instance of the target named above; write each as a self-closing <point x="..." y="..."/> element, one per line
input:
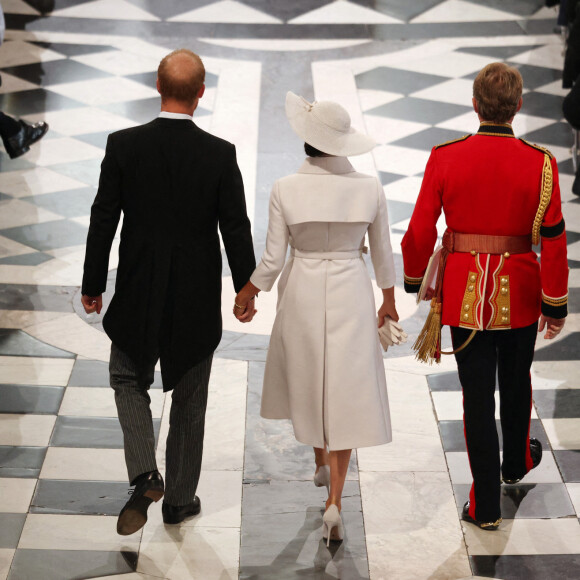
<point x="182" y="84"/>
<point x="497" y="90"/>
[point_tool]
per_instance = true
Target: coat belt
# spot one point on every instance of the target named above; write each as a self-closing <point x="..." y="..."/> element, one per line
<point x="346" y="255"/>
<point x="485" y="244"/>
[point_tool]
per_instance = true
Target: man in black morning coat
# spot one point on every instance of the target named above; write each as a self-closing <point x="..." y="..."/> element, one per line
<point x="175" y="185"/>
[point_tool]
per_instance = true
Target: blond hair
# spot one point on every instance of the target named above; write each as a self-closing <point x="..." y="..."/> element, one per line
<point x="181" y="83"/>
<point x="497" y="89"/>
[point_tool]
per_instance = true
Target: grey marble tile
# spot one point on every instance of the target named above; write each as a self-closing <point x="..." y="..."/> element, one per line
<point x="56" y="72"/>
<point x="444" y="382"/>
<point x="48" y="235"/>
<point x="542" y="104"/>
<point x="399" y="210"/>
<point x="453" y="438"/>
<point x="39" y="400"/>
<point x="528" y="566"/>
<point x="141" y="111"/>
<point x="527" y="500"/>
<point x="559" y="134"/>
<point x="17" y="343"/>
<point x="251" y="347"/>
<point x="498" y="52"/>
<point x="387" y="178"/>
<point x="35" y="101"/>
<point x="395" y="80"/>
<point x="79" y="497"/>
<point x="519" y="7"/>
<point x="419" y="110"/>
<point x="22" y="462"/>
<point x="10" y="529"/>
<point x="31" y="297"/>
<point x="557" y="403"/>
<point x="404" y="10"/>
<point x="427" y="139"/>
<point x="69" y="49"/>
<point x="96" y="139"/>
<point x="70" y="564"/>
<point x="85" y="171"/>
<point x="569" y="464"/>
<point x="33" y="259"/>
<point x="20" y="163"/>
<point x="71" y="203"/>
<point x="566" y="349"/>
<point x="92" y="373"/>
<point x="91" y="432"/>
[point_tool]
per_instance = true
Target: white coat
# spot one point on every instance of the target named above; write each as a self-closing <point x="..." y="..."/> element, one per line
<point x="324" y="369"/>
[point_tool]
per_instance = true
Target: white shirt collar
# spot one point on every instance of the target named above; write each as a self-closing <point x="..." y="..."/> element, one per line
<point x="168" y="115"/>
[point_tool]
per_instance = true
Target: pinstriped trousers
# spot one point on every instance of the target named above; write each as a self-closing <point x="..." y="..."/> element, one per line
<point x="186" y="424"/>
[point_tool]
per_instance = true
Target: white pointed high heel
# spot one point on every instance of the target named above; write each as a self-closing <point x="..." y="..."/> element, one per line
<point x="322" y="477"/>
<point x="332" y="527"/>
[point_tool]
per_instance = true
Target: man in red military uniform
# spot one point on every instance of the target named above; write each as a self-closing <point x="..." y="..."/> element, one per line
<point x="499" y="194"/>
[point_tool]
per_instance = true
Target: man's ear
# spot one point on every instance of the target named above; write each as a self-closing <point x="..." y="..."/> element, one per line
<point x="157" y="85"/>
<point x="474" y="102"/>
<point x="520" y="104"/>
<point x="201" y="92"/>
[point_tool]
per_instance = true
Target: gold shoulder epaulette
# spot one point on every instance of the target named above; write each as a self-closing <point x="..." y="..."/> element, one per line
<point x="453" y="141"/>
<point x="538" y="147"/>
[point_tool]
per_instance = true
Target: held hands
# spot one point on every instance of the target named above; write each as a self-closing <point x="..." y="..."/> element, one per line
<point x="244" y="303"/>
<point x="92" y="303"/>
<point x="553" y="326"/>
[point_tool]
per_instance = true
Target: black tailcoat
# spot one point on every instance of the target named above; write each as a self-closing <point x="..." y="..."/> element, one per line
<point x="175" y="185"/>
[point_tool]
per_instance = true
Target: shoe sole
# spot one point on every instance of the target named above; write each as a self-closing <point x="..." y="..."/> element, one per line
<point x="135" y="517"/>
<point x="173" y="521"/>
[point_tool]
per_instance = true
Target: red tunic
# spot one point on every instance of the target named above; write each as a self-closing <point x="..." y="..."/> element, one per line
<point x="490" y="184"/>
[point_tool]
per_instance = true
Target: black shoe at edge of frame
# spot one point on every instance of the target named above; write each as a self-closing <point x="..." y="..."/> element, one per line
<point x="175" y="514"/>
<point x="488" y="526"/>
<point x="148" y="488"/>
<point x="536" y="455"/>
<point x="20" y="143"/>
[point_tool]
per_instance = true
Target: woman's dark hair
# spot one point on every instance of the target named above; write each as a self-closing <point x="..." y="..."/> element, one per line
<point x="312" y="151"/>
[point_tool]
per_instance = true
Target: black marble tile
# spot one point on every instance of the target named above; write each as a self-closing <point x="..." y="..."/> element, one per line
<point x="396" y="81"/>
<point x="419" y="110"/>
<point x="70" y="203"/>
<point x="33" y="259"/>
<point x="15" y="342"/>
<point x="559" y="134"/>
<point x="527" y="500"/>
<point x="542" y="105"/>
<point x="557" y="403"/>
<point x="444" y="381"/>
<point x="56" y="72"/>
<point x="31" y="297"/>
<point x="498" y="52"/>
<point x="399" y="210"/>
<point x="453" y="438"/>
<point x="425" y="140"/>
<point x="93" y="373"/>
<point x="528" y="566"/>
<point x="70" y="564"/>
<point x="87" y="171"/>
<point x="16" y="461"/>
<point x="566" y="349"/>
<point x="10" y="529"/>
<point x="387" y="178"/>
<point x="568" y="461"/>
<point x="48" y="235"/>
<point x="35" y="101"/>
<point x="71" y="49"/>
<point x="91" y="432"/>
<point x="54" y="496"/>
<point x="141" y="111"/>
<point x="30" y="399"/>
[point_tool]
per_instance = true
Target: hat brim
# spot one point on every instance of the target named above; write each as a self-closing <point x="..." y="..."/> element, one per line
<point x="320" y="135"/>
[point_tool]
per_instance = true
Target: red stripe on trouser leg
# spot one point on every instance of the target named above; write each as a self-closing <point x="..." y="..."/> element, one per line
<point x="472" y="501"/>
<point x="529" y="462"/>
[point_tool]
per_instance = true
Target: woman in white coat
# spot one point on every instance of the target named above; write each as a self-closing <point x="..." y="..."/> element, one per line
<point x="324" y="369"/>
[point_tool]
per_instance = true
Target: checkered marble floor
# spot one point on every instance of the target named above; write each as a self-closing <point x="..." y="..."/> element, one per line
<point x="404" y="71"/>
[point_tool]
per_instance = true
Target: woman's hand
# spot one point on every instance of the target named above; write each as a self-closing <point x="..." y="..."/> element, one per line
<point x="388" y="307"/>
<point x="244" y="303"/>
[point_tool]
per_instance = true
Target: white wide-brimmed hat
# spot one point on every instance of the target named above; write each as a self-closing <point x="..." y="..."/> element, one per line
<point x="326" y="126"/>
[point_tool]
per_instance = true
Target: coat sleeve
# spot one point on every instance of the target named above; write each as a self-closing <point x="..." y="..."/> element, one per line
<point x="380" y="243"/>
<point x="234" y="223"/>
<point x="554" y="262"/>
<point x="419" y="241"/>
<point x="274" y="255"/>
<point x="571" y="105"/>
<point x="105" y="214"/>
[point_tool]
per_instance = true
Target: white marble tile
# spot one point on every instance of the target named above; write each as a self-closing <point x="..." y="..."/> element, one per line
<point x="411" y="365"/>
<point x="22" y="318"/>
<point x="9" y="247"/>
<point x="401" y="160"/>
<point x="450" y="64"/>
<point x="111" y="9"/>
<point x="84" y="220"/>
<point x="15" y="494"/>
<point x="527" y="123"/>
<point x="369" y="98"/>
<point x="131" y="576"/>
<point x="525" y="536"/>
<point x="62" y="150"/>
<point x="17" y="52"/>
<point x="72" y="122"/>
<point x="546" y="472"/>
<point x="84" y="464"/>
<point x="553" y="88"/>
<point x="36" y="182"/>
<point x="283" y="44"/>
<point x="456" y="91"/>
<point x="18" y="7"/>
<point x="574" y="492"/>
<point x="549" y="55"/>
<point x="26" y="430"/>
<point x="466" y="123"/>
<point x="72" y="532"/>
<point x="99" y="92"/>
<point x="449" y="405"/>
<point x="563" y="433"/>
<point x="29" y="370"/>
<point x="406" y="189"/>
<point x="555" y="375"/>
<point x="186" y="552"/>
<point x="460" y="11"/>
<point x="100" y="402"/>
<point x="384" y="130"/>
<point x="226" y="11"/>
<point x="6" y="556"/>
<point x="411" y="525"/>
<point x="119" y="63"/>
<point x="343" y="12"/>
<point x="12" y="84"/>
<point x="15" y="213"/>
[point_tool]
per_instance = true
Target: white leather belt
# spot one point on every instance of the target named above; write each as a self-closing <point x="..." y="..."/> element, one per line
<point x="346" y="255"/>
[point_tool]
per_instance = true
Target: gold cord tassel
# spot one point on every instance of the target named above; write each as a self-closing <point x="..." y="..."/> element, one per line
<point x="428" y="344"/>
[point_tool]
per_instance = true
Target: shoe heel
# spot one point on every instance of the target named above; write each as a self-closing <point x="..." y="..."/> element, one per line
<point x="154" y="494"/>
<point x="332" y="527"/>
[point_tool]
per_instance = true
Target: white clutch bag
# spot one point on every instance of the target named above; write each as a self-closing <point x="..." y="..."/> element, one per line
<point x="391" y="333"/>
<point x="430" y="274"/>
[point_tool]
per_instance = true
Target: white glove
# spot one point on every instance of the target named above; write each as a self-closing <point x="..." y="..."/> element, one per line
<point x="391" y="333"/>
